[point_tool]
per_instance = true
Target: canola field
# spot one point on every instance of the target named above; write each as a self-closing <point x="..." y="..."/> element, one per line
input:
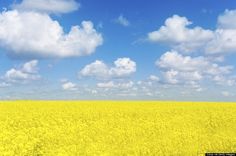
<point x="112" y="128"/>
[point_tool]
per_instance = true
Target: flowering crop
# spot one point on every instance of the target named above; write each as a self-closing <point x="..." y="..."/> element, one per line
<point x="116" y="128"/>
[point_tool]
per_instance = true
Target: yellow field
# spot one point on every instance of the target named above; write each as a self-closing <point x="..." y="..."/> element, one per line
<point x="116" y="128"/>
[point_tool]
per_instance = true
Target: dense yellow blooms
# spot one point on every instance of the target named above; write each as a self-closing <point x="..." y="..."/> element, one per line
<point x="116" y="128"/>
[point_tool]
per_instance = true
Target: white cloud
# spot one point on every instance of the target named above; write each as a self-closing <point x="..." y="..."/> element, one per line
<point x="227" y="20"/>
<point x="176" y="33"/>
<point x="222" y="80"/>
<point x="224" y="40"/>
<point x="154" y="78"/>
<point x="117" y="85"/>
<point x="170" y="76"/>
<point x="94" y="92"/>
<point x="32" y="34"/>
<point x="109" y="84"/>
<point x="30" y="67"/>
<point x="48" y="6"/>
<point x="122" y="67"/>
<point x="69" y="86"/>
<point x="176" y="61"/>
<point x="27" y="72"/>
<point x="177" y="68"/>
<point x="178" y="36"/>
<point x="4" y="84"/>
<point x="199" y="89"/>
<point x="175" y="76"/>
<point x="96" y="69"/>
<point x="122" y="21"/>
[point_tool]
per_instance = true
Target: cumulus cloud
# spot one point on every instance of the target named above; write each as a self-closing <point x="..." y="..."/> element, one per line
<point x="47" y="6"/>
<point x="122" y="67"/>
<point x="224" y="40"/>
<point x="154" y="78"/>
<point x="122" y="21"/>
<point x="174" y="60"/>
<point x="4" y="84"/>
<point x="32" y="34"/>
<point x="27" y="72"/>
<point x="176" y="33"/>
<point x="177" y="61"/>
<point x="118" y="85"/>
<point x="177" y="68"/>
<point x="96" y="69"/>
<point x="223" y="80"/>
<point x="69" y="86"/>
<point x="226" y="20"/>
<point x="109" y="84"/>
<point x="175" y="77"/>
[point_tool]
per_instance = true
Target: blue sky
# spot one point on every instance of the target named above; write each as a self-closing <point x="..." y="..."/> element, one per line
<point x="85" y="49"/>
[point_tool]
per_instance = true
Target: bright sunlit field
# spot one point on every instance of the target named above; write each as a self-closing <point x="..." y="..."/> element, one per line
<point x="116" y="128"/>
